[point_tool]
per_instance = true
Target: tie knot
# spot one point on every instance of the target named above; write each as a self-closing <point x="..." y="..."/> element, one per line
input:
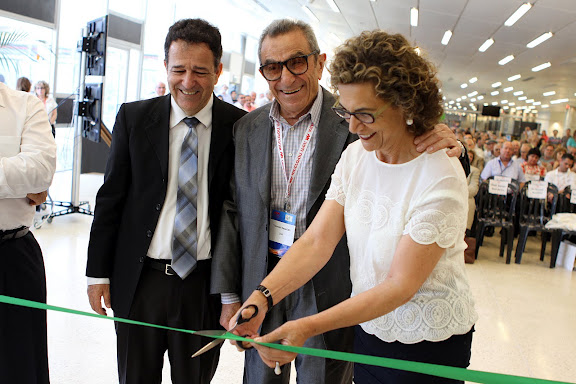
<point x="191" y="122"/>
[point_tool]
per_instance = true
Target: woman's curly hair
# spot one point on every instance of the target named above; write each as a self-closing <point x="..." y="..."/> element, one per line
<point x="400" y="76"/>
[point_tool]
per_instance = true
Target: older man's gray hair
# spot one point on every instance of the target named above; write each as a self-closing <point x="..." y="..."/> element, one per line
<point x="283" y="26"/>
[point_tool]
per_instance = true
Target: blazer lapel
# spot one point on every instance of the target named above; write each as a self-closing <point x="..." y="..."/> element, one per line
<point x="157" y="129"/>
<point x="331" y="139"/>
<point x="219" y="138"/>
<point x="260" y="142"/>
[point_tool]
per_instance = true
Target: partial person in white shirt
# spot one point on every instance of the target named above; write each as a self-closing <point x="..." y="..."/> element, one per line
<point x="27" y="165"/>
<point x="562" y="176"/>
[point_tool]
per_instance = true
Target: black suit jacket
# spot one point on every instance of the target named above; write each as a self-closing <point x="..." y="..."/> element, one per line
<point x="129" y="202"/>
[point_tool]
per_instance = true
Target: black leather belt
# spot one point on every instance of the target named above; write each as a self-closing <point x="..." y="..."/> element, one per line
<point x="13" y="234"/>
<point x="160" y="265"/>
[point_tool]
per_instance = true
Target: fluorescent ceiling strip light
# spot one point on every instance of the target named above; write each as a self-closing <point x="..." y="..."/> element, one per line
<point x="537" y="103"/>
<point x="506" y="60"/>
<point x="503" y="101"/>
<point x="487" y="44"/>
<point x="518" y="93"/>
<point x="541" y="67"/>
<point x="544" y="106"/>
<point x="413" y="17"/>
<point x="551" y="93"/>
<point x="333" y="5"/>
<point x="508" y="89"/>
<point x="494" y="85"/>
<point x="494" y="93"/>
<point x="558" y="101"/>
<point x="540" y="39"/>
<point x="463" y="85"/>
<point x="458" y="99"/>
<point x="473" y="99"/>
<point x="480" y="97"/>
<point x="473" y="80"/>
<point x="522" y="98"/>
<point x="310" y="14"/>
<point x="447" y="37"/>
<point x="505" y="107"/>
<point x="451" y="102"/>
<point x="515" y="77"/>
<point x="518" y="14"/>
<point x="530" y="101"/>
<point x="464" y="97"/>
<point x="472" y="94"/>
<point x="511" y="103"/>
<point x="494" y="103"/>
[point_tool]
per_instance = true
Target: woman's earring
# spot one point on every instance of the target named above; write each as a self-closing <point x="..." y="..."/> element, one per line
<point x="409" y="121"/>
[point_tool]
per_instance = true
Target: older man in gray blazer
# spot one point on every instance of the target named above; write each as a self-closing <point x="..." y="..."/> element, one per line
<point x="286" y="152"/>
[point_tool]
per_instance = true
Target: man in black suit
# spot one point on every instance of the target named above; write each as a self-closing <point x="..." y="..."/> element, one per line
<point x="131" y="265"/>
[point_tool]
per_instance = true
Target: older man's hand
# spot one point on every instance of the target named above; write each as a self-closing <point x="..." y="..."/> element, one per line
<point x="439" y="137"/>
<point x="37" y="198"/>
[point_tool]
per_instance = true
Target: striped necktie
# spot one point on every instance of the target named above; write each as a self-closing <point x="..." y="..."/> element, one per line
<point x="185" y="235"/>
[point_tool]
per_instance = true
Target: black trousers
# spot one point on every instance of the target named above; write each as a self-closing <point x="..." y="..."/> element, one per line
<point x="170" y="301"/>
<point x="454" y="352"/>
<point x="23" y="335"/>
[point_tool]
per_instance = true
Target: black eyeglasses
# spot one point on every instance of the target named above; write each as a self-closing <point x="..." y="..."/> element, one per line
<point x="364" y="117"/>
<point x="296" y="65"/>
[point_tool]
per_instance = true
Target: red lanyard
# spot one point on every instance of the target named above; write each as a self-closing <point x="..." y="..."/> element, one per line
<point x="299" y="156"/>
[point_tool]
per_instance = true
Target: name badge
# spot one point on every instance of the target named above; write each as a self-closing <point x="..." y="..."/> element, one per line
<point x="282" y="229"/>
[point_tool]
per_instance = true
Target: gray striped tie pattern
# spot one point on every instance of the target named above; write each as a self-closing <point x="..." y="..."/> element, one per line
<point x="185" y="236"/>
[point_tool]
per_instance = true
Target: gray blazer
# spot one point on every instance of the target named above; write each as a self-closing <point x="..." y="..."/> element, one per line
<point x="239" y="259"/>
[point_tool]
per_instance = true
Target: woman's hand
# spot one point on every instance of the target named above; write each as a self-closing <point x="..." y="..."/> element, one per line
<point x="293" y="333"/>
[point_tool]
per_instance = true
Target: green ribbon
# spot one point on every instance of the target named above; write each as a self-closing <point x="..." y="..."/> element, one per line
<point x="424" y="368"/>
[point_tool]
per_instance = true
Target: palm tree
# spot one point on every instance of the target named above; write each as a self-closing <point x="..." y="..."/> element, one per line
<point x="8" y="48"/>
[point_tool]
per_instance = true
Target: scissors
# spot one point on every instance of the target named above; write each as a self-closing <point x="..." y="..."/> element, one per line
<point x="219" y="332"/>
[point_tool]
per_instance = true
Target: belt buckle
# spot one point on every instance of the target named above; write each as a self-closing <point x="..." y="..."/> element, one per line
<point x="167" y="270"/>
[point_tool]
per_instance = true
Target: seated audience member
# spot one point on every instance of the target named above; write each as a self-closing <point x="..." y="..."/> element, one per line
<point x="544" y="136"/>
<point x="488" y="148"/>
<point x="478" y="160"/>
<point x="566" y="137"/>
<point x="558" y="153"/>
<point x="473" y="185"/>
<point x="23" y="84"/>
<point x="515" y="149"/>
<point x="524" y="148"/>
<point x="554" y="139"/>
<point x="547" y="159"/>
<point x="504" y="165"/>
<point x="571" y="144"/>
<point x="532" y="170"/>
<point x="562" y="176"/>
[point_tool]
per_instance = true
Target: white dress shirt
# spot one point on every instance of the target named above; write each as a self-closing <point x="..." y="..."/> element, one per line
<point x="27" y="155"/>
<point x="161" y="245"/>
<point x="561" y="179"/>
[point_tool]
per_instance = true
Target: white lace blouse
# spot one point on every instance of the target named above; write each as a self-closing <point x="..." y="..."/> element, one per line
<point x="427" y="199"/>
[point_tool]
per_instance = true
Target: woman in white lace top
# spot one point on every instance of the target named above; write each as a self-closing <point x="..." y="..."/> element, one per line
<point x="404" y="215"/>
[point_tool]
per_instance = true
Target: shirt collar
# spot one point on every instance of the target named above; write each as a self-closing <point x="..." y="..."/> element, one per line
<point x="177" y="114"/>
<point x="313" y="113"/>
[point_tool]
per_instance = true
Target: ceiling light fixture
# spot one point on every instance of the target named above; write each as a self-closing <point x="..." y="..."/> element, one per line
<point x="480" y="97"/>
<point x="522" y="98"/>
<point x="518" y="14"/>
<point x="541" y="67"/>
<point x="530" y="101"/>
<point x="540" y="39"/>
<point x="473" y="80"/>
<point x="494" y="85"/>
<point x="310" y="14"/>
<point x="472" y="94"/>
<point x="494" y="103"/>
<point x="558" y="101"/>
<point x="494" y="93"/>
<point x="551" y="93"/>
<point x="447" y="36"/>
<point x="333" y="5"/>
<point x="463" y="85"/>
<point x="503" y="101"/>
<point x="487" y="44"/>
<point x="544" y="106"/>
<point x="508" y="89"/>
<point x="515" y="77"/>
<point x="506" y="60"/>
<point x="518" y="93"/>
<point x="537" y="103"/>
<point x="413" y="16"/>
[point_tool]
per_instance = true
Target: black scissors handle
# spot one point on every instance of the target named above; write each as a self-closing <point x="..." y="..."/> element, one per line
<point x="242" y="320"/>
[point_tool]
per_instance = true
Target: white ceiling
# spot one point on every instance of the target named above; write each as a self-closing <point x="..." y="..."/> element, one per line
<point x="472" y="23"/>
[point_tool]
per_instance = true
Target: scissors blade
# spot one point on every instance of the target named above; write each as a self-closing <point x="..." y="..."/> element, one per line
<point x="208" y="346"/>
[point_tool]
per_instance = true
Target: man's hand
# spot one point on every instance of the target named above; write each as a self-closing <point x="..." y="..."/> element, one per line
<point x="37" y="198"/>
<point x="248" y="329"/>
<point x="95" y="294"/>
<point x="438" y="138"/>
<point x="228" y="311"/>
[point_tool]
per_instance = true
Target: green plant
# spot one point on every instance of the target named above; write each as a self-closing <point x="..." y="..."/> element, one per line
<point x="8" y="48"/>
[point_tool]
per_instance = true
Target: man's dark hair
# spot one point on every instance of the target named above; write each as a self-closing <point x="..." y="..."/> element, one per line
<point x="567" y="156"/>
<point x="534" y="151"/>
<point x="195" y="31"/>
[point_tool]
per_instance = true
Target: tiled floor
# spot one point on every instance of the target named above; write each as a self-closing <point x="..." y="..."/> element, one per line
<point x="527" y="322"/>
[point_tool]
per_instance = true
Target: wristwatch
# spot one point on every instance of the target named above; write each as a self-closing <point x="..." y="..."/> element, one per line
<point x="266" y="292"/>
